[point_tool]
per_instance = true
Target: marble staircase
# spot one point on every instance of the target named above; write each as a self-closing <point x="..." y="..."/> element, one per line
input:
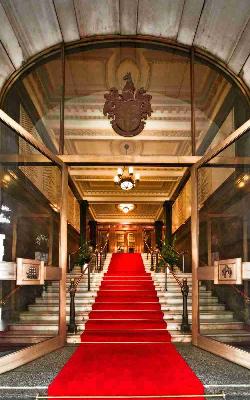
<point x="40" y="321"/>
<point x="216" y="321"/>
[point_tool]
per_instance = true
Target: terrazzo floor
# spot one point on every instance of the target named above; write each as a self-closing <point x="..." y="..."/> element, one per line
<point x="212" y="370"/>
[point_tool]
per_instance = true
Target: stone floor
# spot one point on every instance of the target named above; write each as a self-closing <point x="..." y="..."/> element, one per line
<point x="212" y="370"/>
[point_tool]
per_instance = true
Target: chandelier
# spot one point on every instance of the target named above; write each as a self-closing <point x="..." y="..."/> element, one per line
<point x="126" y="207"/>
<point x="126" y="178"/>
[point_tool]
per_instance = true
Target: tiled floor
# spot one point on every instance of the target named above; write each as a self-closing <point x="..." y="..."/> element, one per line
<point x="212" y="370"/>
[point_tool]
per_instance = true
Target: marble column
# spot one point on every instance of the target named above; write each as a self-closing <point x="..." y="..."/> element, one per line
<point x="167" y="207"/>
<point x="83" y="220"/>
<point x="158" y="233"/>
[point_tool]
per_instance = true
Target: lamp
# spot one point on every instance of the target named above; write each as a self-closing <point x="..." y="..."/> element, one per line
<point x="126" y="207"/>
<point x="242" y="181"/>
<point x="126" y="178"/>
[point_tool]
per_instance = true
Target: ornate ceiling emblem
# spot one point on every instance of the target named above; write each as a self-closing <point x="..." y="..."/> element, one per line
<point x="128" y="110"/>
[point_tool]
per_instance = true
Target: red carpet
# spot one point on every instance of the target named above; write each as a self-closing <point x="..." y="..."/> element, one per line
<point x="126" y="349"/>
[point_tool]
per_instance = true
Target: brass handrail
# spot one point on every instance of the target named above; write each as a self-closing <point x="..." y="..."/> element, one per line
<point x="5" y="298"/>
<point x="171" y="272"/>
<point x="150" y="249"/>
<point x="185" y="327"/>
<point x="72" y="327"/>
<point x="103" y="250"/>
<point x="160" y="256"/>
<point x="78" y="280"/>
<point x="242" y="294"/>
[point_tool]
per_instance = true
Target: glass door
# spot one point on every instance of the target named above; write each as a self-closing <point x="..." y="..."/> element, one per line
<point x="221" y="249"/>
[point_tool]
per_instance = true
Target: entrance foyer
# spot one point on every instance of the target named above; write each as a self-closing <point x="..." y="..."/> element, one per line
<point x="68" y="67"/>
<point x="127" y="336"/>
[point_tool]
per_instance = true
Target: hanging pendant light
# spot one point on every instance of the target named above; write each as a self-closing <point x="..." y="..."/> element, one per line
<point x="125" y="178"/>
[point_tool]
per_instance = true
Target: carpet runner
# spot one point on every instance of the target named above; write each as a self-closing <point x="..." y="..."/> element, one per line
<point x="126" y="350"/>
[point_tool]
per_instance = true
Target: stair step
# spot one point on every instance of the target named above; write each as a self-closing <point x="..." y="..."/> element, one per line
<point x="55" y="300"/>
<point x="50" y="307"/>
<point x="179" y="337"/>
<point x="34" y="326"/>
<point x="205" y="316"/>
<point x="232" y="336"/>
<point x="25" y="337"/>
<point x="48" y="316"/>
<point x="205" y="307"/>
<point x="41" y="320"/>
<point x="167" y="294"/>
<point x="221" y="325"/>
<point x="79" y="294"/>
<point x="80" y="288"/>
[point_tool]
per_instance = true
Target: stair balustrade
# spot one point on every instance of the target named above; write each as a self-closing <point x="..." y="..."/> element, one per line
<point x="96" y="263"/>
<point x="101" y="256"/>
<point x="4" y="299"/>
<point x="153" y="261"/>
<point x="155" y="257"/>
<point x="185" y="327"/>
<point x="72" y="327"/>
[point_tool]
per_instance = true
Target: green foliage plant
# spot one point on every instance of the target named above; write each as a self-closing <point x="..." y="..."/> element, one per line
<point x="85" y="253"/>
<point x="169" y="254"/>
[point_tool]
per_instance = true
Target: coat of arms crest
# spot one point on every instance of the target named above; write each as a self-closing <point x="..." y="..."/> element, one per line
<point x="128" y="110"/>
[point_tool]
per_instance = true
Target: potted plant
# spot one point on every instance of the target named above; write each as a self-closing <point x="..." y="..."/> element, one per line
<point x="85" y="253"/>
<point x="169" y="255"/>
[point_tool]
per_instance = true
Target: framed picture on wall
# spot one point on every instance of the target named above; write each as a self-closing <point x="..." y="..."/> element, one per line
<point x="30" y="272"/>
<point x="228" y="272"/>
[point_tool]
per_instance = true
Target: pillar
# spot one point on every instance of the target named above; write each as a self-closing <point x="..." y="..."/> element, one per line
<point x="158" y="233"/>
<point x="93" y="233"/>
<point x="83" y="220"/>
<point x="167" y="207"/>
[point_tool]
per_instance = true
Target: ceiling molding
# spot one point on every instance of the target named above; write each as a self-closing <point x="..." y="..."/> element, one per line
<point x="163" y="161"/>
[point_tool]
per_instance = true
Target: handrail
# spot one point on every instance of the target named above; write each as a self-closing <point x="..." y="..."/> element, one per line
<point x="185" y="327"/>
<point x="5" y="298"/>
<point x="160" y="256"/>
<point x="69" y="259"/>
<point x="150" y="249"/>
<point x="242" y="294"/>
<point x="101" y="252"/>
<point x="172" y="272"/>
<point x="74" y="282"/>
<point x="96" y="251"/>
<point x="72" y="327"/>
<point x="78" y="280"/>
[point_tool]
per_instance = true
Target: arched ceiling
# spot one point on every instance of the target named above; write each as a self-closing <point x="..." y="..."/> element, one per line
<point x="222" y="27"/>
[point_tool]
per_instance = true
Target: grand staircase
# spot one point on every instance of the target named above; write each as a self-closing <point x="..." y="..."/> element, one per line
<point x="215" y="321"/>
<point x="40" y="321"/>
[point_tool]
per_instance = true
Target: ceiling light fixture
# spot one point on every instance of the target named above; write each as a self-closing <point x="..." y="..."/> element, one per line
<point x="126" y="178"/>
<point x="242" y="181"/>
<point x="126" y="207"/>
<point x="55" y="207"/>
